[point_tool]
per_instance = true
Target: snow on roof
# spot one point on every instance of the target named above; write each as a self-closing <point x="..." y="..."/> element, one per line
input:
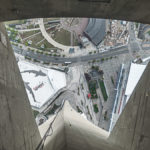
<point x="57" y="79"/>
<point x="41" y="83"/>
<point x="136" y="71"/>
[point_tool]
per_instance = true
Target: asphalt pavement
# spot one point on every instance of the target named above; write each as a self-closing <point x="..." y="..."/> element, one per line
<point x="133" y="43"/>
<point x="48" y="59"/>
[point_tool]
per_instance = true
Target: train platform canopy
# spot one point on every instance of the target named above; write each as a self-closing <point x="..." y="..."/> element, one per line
<point x="95" y="30"/>
<point x="41" y="83"/>
<point x="136" y="71"/>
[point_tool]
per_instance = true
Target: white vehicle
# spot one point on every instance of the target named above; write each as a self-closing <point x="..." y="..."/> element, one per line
<point x="68" y="62"/>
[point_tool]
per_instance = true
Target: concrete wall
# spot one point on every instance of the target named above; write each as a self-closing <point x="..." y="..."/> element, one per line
<point x="82" y="134"/>
<point x="131" y="132"/>
<point x="73" y="132"/>
<point x="57" y="140"/>
<point x="136" y="10"/>
<point x="18" y="130"/>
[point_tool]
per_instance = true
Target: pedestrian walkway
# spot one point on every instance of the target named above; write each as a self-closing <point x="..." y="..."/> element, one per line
<point x="51" y="41"/>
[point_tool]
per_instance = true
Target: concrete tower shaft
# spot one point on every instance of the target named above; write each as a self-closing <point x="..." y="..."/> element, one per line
<point x="18" y="130"/>
<point x="131" y="132"/>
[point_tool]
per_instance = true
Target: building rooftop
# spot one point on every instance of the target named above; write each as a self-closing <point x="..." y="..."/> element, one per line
<point x="96" y="30"/>
<point x="41" y="83"/>
<point x="136" y="71"/>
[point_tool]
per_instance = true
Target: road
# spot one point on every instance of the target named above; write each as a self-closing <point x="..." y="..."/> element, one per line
<point x="48" y="59"/>
<point x="134" y="45"/>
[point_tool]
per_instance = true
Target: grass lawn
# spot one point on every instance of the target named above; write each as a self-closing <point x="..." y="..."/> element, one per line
<point x="75" y="41"/>
<point x="89" y="112"/>
<point x="37" y="39"/>
<point x="34" y="40"/>
<point x="136" y="24"/>
<point x="15" y="22"/>
<point x="92" y="89"/>
<point x="62" y="37"/>
<point x="47" y="44"/>
<point x="103" y="89"/>
<point x="28" y="33"/>
<point x="148" y="32"/>
<point x="35" y="113"/>
<point x="95" y="108"/>
<point x="52" y="111"/>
